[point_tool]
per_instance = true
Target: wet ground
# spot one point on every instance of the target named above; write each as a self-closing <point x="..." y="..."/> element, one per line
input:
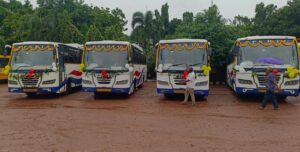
<point x="146" y="121"/>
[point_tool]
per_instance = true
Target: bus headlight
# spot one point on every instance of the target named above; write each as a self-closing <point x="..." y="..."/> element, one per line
<point x="204" y="83"/>
<point x="87" y="82"/>
<point x="122" y="82"/>
<point x="12" y="82"/>
<point x="242" y="81"/>
<point x="49" y="82"/>
<point x="293" y="82"/>
<point x="163" y="83"/>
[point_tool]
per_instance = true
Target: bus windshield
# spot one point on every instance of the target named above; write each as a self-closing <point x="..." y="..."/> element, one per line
<point x="195" y="57"/>
<point x="32" y="58"/>
<point x="106" y="59"/>
<point x="3" y="62"/>
<point x="281" y="55"/>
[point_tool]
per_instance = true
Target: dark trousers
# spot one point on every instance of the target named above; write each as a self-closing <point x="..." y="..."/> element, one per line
<point x="270" y="95"/>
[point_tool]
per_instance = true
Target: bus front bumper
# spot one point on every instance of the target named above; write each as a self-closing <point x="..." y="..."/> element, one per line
<point x="283" y="92"/>
<point x="106" y="90"/>
<point x="181" y="91"/>
<point x="34" y="90"/>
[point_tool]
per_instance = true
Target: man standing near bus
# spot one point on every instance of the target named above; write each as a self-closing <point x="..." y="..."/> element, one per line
<point x="271" y="86"/>
<point x="190" y="86"/>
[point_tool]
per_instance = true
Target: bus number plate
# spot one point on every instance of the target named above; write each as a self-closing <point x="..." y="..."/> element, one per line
<point x="179" y="91"/>
<point x="262" y="90"/>
<point x="30" y="90"/>
<point x="104" y="90"/>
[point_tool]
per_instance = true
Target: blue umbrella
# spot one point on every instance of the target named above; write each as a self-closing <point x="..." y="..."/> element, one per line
<point x="269" y="60"/>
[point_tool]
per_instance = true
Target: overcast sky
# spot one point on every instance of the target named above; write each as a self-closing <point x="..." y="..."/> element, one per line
<point x="228" y="8"/>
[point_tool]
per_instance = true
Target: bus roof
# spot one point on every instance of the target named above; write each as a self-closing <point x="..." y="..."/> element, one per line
<point x="182" y="41"/>
<point x="115" y="43"/>
<point x="108" y="42"/>
<point x="266" y="38"/>
<point x="36" y="42"/>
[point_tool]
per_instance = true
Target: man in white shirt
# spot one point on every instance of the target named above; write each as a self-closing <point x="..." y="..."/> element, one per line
<point x="190" y="85"/>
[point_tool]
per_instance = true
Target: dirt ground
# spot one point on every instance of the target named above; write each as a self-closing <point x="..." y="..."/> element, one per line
<point x="146" y="122"/>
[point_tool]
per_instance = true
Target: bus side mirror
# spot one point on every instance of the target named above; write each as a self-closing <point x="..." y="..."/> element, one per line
<point x="159" y="68"/>
<point x="130" y="69"/>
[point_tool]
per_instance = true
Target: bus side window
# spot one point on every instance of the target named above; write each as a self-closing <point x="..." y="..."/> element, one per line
<point x="231" y="55"/>
<point x="134" y="56"/>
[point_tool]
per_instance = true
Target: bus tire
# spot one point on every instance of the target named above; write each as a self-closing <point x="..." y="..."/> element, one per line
<point x="68" y="87"/>
<point x="141" y="85"/>
<point x="282" y="98"/>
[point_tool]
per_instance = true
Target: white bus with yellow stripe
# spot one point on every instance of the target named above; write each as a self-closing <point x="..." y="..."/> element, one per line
<point x="113" y="67"/>
<point x="249" y="58"/>
<point x="173" y="57"/>
<point x="44" y="67"/>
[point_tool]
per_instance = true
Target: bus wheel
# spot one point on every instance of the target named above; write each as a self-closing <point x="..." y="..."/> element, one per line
<point x="141" y="85"/>
<point x="68" y="87"/>
<point x="282" y="98"/>
<point x="31" y="95"/>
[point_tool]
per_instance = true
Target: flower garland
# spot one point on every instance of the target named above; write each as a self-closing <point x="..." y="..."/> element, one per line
<point x="184" y="46"/>
<point x="6" y="70"/>
<point x="81" y="66"/>
<point x="107" y="47"/>
<point x="32" y="48"/>
<point x="266" y="43"/>
<point x="206" y="69"/>
<point x="291" y="72"/>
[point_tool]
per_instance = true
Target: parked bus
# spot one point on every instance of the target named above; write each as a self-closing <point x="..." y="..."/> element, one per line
<point x="172" y="59"/>
<point x="113" y="67"/>
<point x="4" y="59"/>
<point x="250" y="57"/>
<point x="44" y="67"/>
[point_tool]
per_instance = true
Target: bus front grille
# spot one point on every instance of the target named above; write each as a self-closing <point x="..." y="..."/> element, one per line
<point x="262" y="79"/>
<point x="103" y="81"/>
<point x="179" y="82"/>
<point x="30" y="82"/>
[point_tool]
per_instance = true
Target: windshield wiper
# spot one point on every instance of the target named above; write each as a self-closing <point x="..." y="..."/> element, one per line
<point x="174" y="65"/>
<point x="200" y="63"/>
<point x="98" y="67"/>
<point x="23" y="66"/>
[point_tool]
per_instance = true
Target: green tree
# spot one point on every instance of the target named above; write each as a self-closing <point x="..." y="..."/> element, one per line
<point x="188" y="17"/>
<point x="165" y="18"/>
<point x="94" y="34"/>
<point x="262" y="17"/>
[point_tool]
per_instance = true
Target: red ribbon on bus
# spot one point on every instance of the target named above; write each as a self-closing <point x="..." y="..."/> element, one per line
<point x="137" y="73"/>
<point x="184" y="75"/>
<point x="30" y="73"/>
<point x="275" y="71"/>
<point x="104" y="74"/>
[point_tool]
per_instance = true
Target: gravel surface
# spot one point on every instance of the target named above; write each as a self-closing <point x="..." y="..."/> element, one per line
<point x="146" y="122"/>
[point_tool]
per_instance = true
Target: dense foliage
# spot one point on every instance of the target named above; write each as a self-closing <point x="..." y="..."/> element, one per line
<point x="67" y="21"/>
<point x="74" y="21"/>
<point x="211" y="25"/>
